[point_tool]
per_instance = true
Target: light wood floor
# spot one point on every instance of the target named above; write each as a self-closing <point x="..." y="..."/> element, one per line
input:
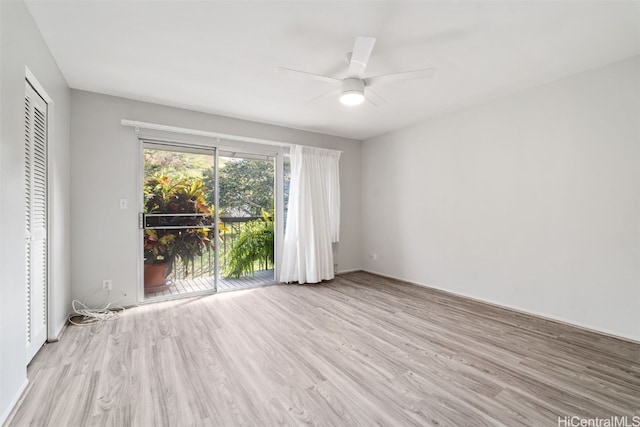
<point x="359" y="351"/>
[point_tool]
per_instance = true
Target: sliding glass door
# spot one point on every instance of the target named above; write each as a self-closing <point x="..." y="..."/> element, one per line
<point x="246" y="183"/>
<point x="207" y="221"/>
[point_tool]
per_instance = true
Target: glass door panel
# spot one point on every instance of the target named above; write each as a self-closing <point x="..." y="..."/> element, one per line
<point x="246" y="209"/>
<point x="179" y="233"/>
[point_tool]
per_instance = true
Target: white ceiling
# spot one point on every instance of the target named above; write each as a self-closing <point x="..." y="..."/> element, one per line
<point x="221" y="57"/>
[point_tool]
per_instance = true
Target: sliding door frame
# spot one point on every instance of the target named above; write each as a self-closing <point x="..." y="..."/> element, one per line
<point x="279" y="213"/>
<point x="215" y="146"/>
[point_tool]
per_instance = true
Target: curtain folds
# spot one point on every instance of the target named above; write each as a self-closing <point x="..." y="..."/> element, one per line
<point x="313" y="218"/>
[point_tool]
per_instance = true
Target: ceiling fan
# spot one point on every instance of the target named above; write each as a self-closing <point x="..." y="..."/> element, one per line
<point x="352" y="88"/>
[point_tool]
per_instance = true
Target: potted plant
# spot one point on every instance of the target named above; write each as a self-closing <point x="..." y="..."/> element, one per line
<point x="156" y="254"/>
<point x="162" y="246"/>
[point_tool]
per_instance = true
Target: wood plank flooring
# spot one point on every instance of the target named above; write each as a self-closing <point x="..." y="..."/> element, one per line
<point x="360" y="350"/>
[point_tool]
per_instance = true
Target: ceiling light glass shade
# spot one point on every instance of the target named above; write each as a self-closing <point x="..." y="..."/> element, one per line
<point x="352" y="97"/>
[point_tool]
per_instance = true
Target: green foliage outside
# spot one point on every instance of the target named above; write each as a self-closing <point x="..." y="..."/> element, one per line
<point x="173" y="195"/>
<point x="177" y="182"/>
<point x="246" y="187"/>
<point x="253" y="247"/>
<point x="176" y="164"/>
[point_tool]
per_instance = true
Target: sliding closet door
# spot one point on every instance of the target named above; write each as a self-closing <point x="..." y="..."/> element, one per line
<point x="35" y="159"/>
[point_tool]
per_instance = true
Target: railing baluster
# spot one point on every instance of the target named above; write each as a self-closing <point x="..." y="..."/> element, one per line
<point x="233" y="226"/>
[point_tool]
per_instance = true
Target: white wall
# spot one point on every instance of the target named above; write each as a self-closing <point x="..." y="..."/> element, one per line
<point x="532" y="201"/>
<point x="105" y="169"/>
<point x="22" y="45"/>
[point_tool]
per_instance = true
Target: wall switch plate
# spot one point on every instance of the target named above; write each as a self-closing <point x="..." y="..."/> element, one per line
<point x="124" y="204"/>
<point x="106" y="285"/>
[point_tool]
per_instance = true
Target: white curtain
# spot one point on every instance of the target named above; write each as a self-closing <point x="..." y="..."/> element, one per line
<point x="313" y="218"/>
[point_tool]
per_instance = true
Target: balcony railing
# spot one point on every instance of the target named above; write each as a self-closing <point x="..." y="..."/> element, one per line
<point x="204" y="265"/>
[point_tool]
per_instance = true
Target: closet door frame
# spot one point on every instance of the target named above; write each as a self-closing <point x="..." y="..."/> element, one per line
<point x="51" y="298"/>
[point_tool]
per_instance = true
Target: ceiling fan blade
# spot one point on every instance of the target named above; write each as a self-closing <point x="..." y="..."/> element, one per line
<point x="324" y="95"/>
<point x="362" y="49"/>
<point x="397" y="77"/>
<point x="374" y="98"/>
<point x="290" y="72"/>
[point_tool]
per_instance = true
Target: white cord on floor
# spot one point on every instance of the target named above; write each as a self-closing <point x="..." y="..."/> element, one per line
<point x="92" y="315"/>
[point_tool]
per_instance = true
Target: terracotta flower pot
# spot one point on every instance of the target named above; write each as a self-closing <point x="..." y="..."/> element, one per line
<point x="155" y="279"/>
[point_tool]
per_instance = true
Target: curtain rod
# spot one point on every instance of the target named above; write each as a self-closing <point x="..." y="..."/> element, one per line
<point x="154" y="126"/>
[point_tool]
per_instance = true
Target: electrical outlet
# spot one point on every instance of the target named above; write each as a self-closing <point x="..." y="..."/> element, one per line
<point x="106" y="285"/>
<point x="124" y="204"/>
<point x="373" y="256"/>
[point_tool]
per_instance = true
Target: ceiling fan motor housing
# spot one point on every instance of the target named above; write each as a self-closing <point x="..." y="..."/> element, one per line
<point x="353" y="84"/>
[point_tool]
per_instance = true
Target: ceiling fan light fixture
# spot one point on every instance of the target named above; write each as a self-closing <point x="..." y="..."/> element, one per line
<point x="352" y="91"/>
<point x="352" y="97"/>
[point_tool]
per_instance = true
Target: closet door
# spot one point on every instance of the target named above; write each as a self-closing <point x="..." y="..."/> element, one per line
<point x="35" y="159"/>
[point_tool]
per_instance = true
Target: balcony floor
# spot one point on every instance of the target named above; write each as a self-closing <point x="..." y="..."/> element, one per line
<point x="187" y="286"/>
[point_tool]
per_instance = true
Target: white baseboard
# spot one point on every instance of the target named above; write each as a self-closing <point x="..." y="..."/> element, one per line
<point x="5" y="415"/>
<point x="353" y="270"/>
<point x="545" y="316"/>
